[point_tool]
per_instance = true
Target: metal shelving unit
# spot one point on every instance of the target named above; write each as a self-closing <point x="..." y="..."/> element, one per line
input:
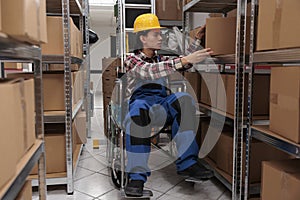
<point x="262" y="132"/>
<point x="66" y="8"/>
<point x="19" y="52"/>
<point x="239" y="59"/>
<point x="122" y="28"/>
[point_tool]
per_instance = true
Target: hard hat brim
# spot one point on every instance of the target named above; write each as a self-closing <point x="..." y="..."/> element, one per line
<point x="146" y="29"/>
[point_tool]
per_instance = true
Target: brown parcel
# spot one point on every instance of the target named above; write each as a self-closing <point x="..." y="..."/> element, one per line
<point x="169" y="9"/>
<point x="55" y="148"/>
<point x="26" y="192"/>
<point x="53" y="89"/>
<point x="285" y="102"/>
<point x="278" y="24"/>
<point x="259" y="151"/>
<point x="11" y="115"/>
<point x="227" y="27"/>
<point x="209" y="89"/>
<point x="55" y="45"/>
<point x="25" y="20"/>
<point x="0" y="18"/>
<point x="226" y="94"/>
<point x="281" y="180"/>
<point x="194" y="87"/>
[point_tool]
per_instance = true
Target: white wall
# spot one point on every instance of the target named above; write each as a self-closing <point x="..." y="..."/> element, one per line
<point x="102" y="47"/>
<point x="98" y="51"/>
<point x="198" y="19"/>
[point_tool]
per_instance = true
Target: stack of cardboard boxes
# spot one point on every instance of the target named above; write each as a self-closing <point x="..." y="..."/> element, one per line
<point x="109" y="76"/>
<point x="279" y="98"/>
<point x="24" y="21"/>
<point x="47" y="31"/>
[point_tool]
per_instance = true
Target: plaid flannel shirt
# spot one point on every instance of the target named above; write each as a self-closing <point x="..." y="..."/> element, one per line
<point x="140" y="67"/>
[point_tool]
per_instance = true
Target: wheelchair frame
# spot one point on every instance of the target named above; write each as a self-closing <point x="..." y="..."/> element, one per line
<point x="115" y="142"/>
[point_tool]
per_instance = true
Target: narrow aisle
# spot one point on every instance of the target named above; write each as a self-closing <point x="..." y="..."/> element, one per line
<point x="92" y="181"/>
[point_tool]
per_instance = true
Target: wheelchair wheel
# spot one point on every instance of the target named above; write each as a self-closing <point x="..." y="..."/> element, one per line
<point x="116" y="176"/>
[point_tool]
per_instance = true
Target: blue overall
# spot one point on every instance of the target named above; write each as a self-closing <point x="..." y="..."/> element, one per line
<point x="143" y="111"/>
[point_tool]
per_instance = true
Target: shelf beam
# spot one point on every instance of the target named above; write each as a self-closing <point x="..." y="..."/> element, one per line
<point x="278" y="56"/>
<point x="263" y="134"/>
<point x="14" y="50"/>
<point x="55" y="6"/>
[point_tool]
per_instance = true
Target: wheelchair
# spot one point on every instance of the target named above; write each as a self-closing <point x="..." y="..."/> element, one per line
<point x="116" y="153"/>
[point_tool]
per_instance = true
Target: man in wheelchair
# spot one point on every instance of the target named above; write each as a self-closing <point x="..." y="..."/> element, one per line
<point x="150" y="102"/>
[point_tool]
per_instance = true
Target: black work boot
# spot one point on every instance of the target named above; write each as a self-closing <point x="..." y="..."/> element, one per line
<point x="197" y="171"/>
<point x="134" y="188"/>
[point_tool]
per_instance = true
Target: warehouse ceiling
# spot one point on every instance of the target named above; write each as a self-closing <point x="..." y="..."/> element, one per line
<point x="102" y="13"/>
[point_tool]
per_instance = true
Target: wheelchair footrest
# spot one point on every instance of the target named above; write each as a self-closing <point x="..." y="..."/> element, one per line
<point x="194" y="180"/>
<point x="146" y="194"/>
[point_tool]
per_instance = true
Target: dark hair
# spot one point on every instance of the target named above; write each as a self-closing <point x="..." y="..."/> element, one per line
<point x="138" y="45"/>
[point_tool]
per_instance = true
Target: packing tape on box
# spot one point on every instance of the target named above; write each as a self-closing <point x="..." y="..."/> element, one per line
<point x="277" y="23"/>
<point x="23" y="106"/>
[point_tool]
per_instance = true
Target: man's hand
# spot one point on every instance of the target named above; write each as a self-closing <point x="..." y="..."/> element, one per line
<point x="196" y="57"/>
<point x="201" y="32"/>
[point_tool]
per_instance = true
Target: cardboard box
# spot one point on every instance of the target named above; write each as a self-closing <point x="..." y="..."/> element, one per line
<point x="43" y="22"/>
<point x="24" y="114"/>
<point x="227" y="43"/>
<point x="210" y="134"/>
<point x="194" y="87"/>
<point x="259" y="152"/>
<point x="278" y="26"/>
<point x="110" y="65"/>
<point x="55" y="45"/>
<point x="285" y="102"/>
<point x="12" y="65"/>
<point x="55" y="148"/>
<point x="222" y="89"/>
<point x="80" y="127"/>
<point x="53" y="89"/>
<point x="281" y="180"/>
<point x="209" y="89"/>
<point x="26" y="192"/>
<point x="169" y="9"/>
<point x="0" y="17"/>
<point x="55" y="157"/>
<point x="29" y="113"/>
<point x="11" y="115"/>
<point x="261" y="88"/>
<point x="25" y="20"/>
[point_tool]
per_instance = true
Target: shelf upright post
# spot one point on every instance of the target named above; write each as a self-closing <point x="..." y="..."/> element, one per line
<point x="122" y="33"/>
<point x="250" y="97"/>
<point x="39" y="124"/>
<point x="87" y="92"/>
<point x="239" y="100"/>
<point x="68" y="93"/>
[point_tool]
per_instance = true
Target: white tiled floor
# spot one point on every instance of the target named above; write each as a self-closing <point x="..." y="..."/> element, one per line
<point x="92" y="181"/>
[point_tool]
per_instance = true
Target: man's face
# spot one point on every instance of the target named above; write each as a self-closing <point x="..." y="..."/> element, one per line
<point x="152" y="40"/>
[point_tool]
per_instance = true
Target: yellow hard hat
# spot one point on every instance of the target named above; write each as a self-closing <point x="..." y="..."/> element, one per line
<point x="145" y="22"/>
